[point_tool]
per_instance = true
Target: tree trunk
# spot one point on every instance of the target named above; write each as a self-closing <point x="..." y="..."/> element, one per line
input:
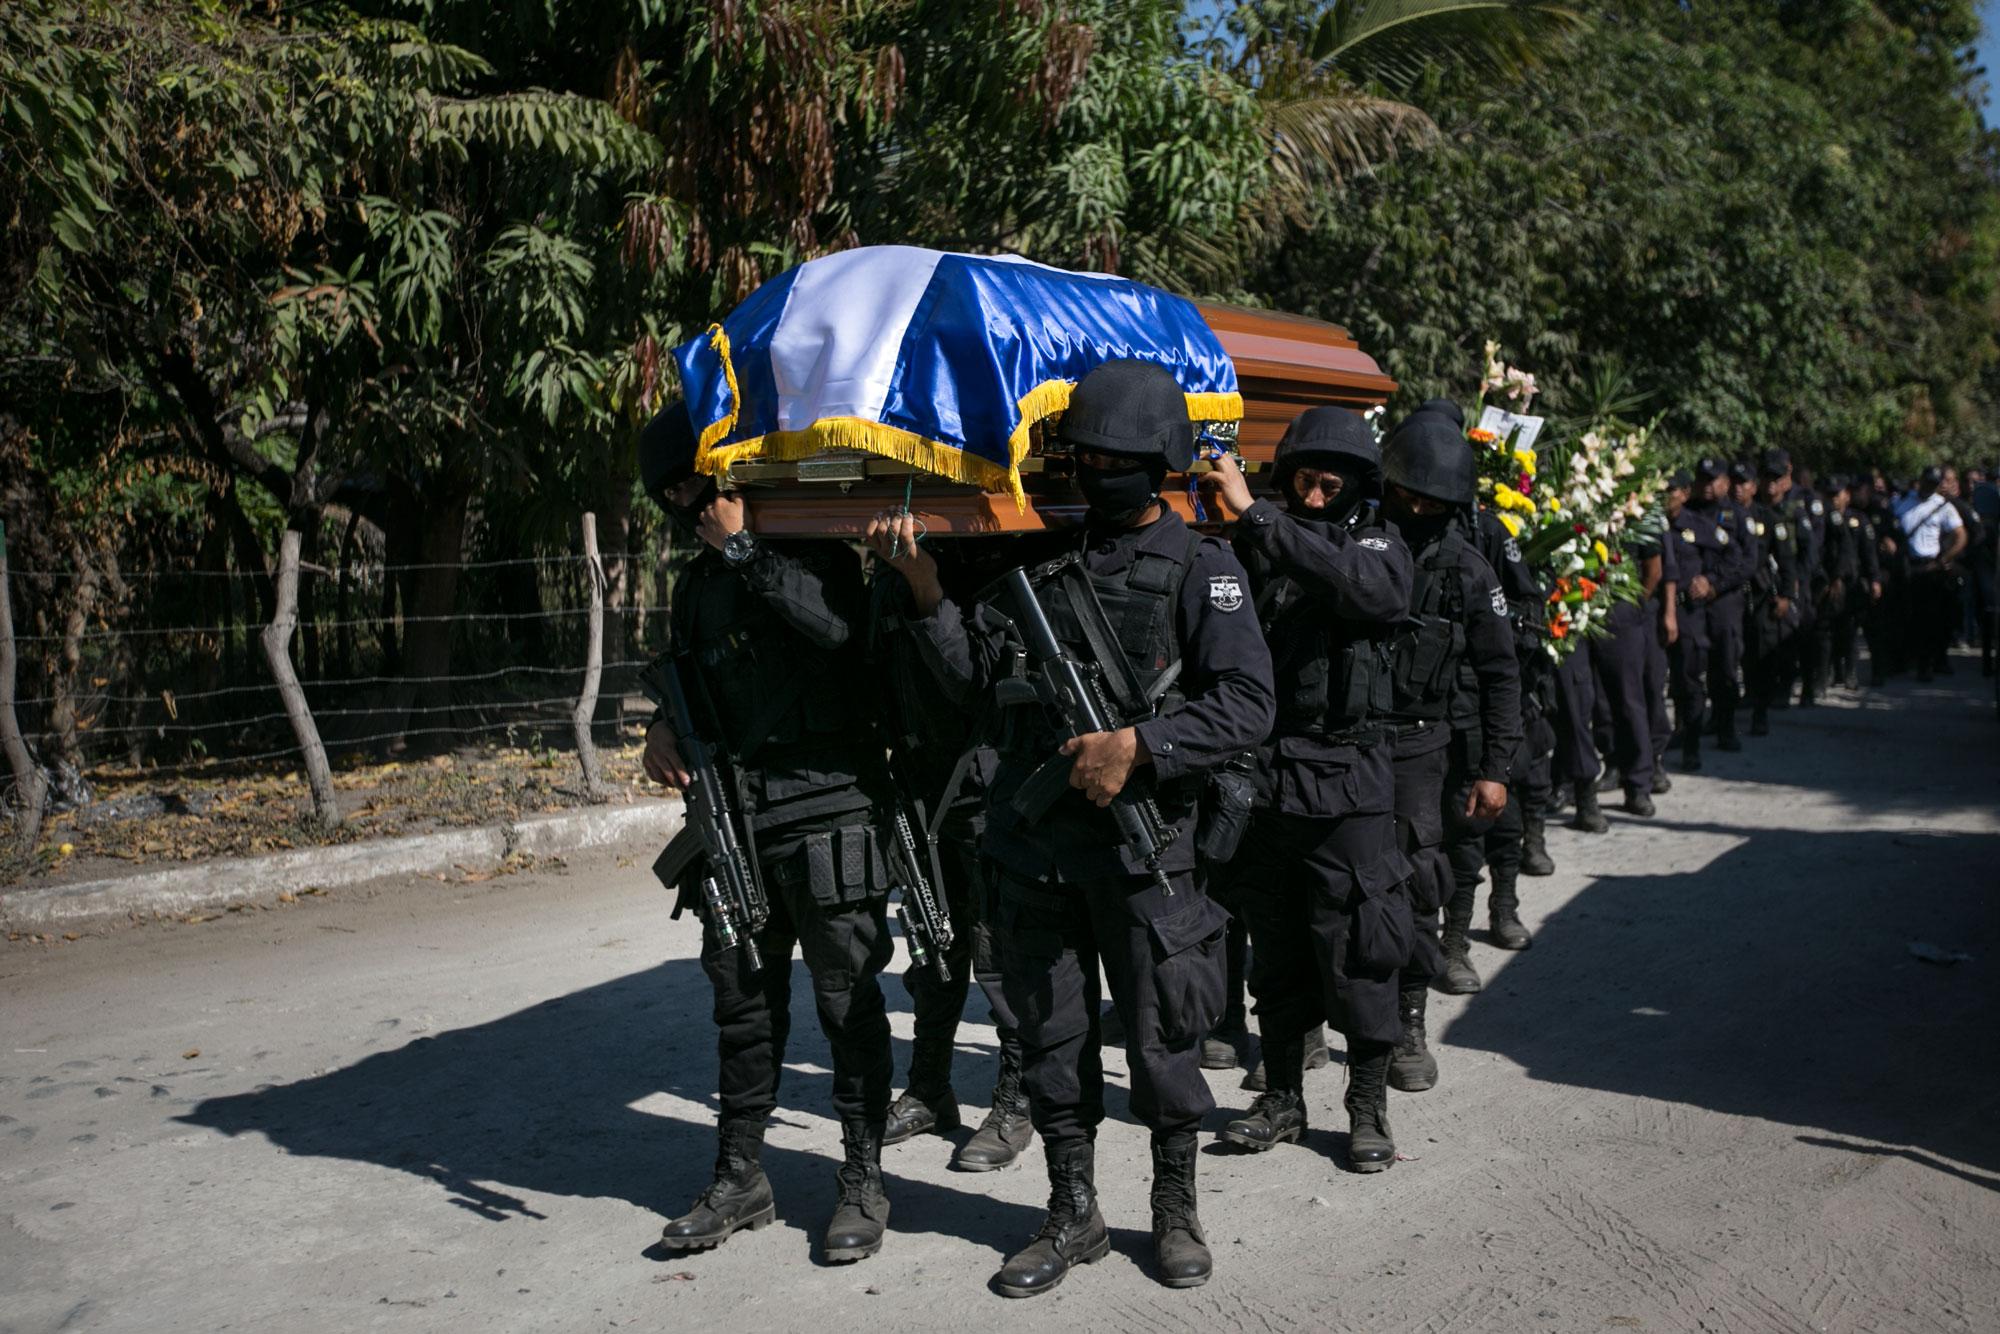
<point x="430" y="607"/>
<point x="277" y="653"/>
<point x="593" y="664"/>
<point x="30" y="791"/>
<point x="344" y="607"/>
<point x="618" y="572"/>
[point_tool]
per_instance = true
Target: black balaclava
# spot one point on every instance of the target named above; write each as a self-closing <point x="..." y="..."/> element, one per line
<point x="1120" y="497"/>
<point x="1335" y="440"/>
<point x="666" y="459"/>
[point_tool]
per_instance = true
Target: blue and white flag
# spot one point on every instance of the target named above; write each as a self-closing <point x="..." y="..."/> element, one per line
<point x="941" y="361"/>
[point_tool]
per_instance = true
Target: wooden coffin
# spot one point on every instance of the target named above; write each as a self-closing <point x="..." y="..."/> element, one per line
<point x="1284" y="365"/>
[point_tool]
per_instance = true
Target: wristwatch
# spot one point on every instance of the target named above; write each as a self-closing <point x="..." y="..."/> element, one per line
<point x="740" y="548"/>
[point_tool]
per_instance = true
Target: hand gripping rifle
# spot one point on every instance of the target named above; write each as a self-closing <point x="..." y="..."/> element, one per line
<point x="732" y="884"/>
<point x="913" y="865"/>
<point x="1078" y="694"/>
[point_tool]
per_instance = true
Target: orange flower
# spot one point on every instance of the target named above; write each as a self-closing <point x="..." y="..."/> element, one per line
<point x="1480" y="436"/>
<point x="1588" y="586"/>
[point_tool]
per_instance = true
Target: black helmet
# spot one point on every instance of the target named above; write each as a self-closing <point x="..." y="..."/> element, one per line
<point x="1445" y="408"/>
<point x="666" y="451"/>
<point x="1336" y="436"/>
<point x="1134" y="408"/>
<point x="1430" y="456"/>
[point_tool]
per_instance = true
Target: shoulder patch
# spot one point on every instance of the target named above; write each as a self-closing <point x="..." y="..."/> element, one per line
<point x="1511" y="550"/>
<point x="1757" y="527"/>
<point x="1782" y="532"/>
<point x="1499" y="602"/>
<point x="1818" y="509"/>
<point x="1375" y="543"/>
<point x="1853" y="522"/>
<point x="1722" y="536"/>
<point x="1225" y="592"/>
<point x="1687" y="535"/>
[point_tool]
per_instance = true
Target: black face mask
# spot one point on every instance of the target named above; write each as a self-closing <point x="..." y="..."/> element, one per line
<point x="1420" y="530"/>
<point x="1336" y="511"/>
<point x="1119" y="497"/>
<point x="685" y="518"/>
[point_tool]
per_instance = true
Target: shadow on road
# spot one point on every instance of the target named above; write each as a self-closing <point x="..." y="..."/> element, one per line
<point x="1805" y="1008"/>
<point x="545" y="1100"/>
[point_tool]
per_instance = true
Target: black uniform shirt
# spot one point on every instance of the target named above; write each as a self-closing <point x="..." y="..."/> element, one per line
<point x="1226" y="706"/>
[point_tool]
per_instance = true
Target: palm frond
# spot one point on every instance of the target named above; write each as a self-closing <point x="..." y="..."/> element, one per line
<point x="1320" y="139"/>
<point x="1389" y="43"/>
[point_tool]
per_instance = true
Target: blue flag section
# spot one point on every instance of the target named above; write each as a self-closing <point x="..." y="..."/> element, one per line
<point x="941" y="361"/>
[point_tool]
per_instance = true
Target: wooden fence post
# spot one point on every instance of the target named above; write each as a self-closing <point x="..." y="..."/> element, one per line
<point x="31" y="791"/>
<point x="277" y="637"/>
<point x="593" y="665"/>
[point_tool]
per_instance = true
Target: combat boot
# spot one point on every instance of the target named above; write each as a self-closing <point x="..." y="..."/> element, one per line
<point x="929" y="1106"/>
<point x="1316" y="1058"/>
<point x="1661" y="783"/>
<point x="1589" y="817"/>
<point x="1370" y="1148"/>
<point x="1691" y="757"/>
<point x="1638" y="801"/>
<point x="1180" y="1251"/>
<point x="1459" y="977"/>
<point x="1413" y="1068"/>
<point x="1504" y="914"/>
<point x="1072" y="1234"/>
<point x="1279" y="1115"/>
<point x="1725" y="731"/>
<point x="862" y="1215"/>
<point x="1760" y="725"/>
<point x="1535" y="859"/>
<point x="1227" y="1044"/>
<point x="1006" y="1131"/>
<point x="739" y="1198"/>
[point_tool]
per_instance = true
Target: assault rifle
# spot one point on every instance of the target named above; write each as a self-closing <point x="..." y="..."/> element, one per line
<point x="732" y="884"/>
<point x="1078" y="694"/>
<point x="913" y="865"/>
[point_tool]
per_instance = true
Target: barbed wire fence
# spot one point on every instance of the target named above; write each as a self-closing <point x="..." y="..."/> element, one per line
<point x="541" y="653"/>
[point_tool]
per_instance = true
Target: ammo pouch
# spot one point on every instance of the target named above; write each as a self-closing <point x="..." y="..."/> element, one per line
<point x="1426" y="659"/>
<point x="1225" y="811"/>
<point x="838" y="867"/>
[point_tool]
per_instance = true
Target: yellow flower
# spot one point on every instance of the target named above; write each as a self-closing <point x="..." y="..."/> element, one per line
<point x="1552" y="504"/>
<point x="1602" y="554"/>
<point x="1511" y="524"/>
<point x="1526" y="458"/>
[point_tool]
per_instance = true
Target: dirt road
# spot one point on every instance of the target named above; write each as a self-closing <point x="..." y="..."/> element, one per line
<point x="1721" y="1093"/>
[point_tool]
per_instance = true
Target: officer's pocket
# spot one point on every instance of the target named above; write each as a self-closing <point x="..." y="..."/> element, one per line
<point x="1189" y="977"/>
<point x="1385" y="928"/>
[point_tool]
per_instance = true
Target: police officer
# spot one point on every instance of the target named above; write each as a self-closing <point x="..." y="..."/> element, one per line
<point x="1621" y="660"/>
<point x="1321" y="880"/>
<point x="1071" y="894"/>
<point x="767" y="636"/>
<point x="938" y="757"/>
<point x="1726" y="612"/>
<point x="1862" y="580"/>
<point x="1806" y="663"/>
<point x="1712" y="575"/>
<point x="1457" y="711"/>
<point x="1776" y="589"/>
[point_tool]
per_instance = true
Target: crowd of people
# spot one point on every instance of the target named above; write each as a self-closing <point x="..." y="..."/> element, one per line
<point x="1261" y="774"/>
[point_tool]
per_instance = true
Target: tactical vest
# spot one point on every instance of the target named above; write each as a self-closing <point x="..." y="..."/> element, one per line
<point x="1141" y="603"/>
<point x="768" y="685"/>
<point x="1425" y="654"/>
<point x="1332" y="675"/>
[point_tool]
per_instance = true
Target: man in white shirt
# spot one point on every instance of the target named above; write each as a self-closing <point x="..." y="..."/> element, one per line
<point x="1933" y="535"/>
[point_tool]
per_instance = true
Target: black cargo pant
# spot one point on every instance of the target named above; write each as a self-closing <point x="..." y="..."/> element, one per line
<point x="1622" y="660"/>
<point x="974" y="955"/>
<point x="1421" y="766"/>
<point x="1932" y="614"/>
<point x="1327" y="902"/>
<point x="1689" y="661"/>
<point x="1467" y="840"/>
<point x="1658" y="675"/>
<point x="1725" y="659"/>
<point x="1576" y="696"/>
<point x="822" y="903"/>
<point x="1163" y="955"/>
<point x="1771" y="648"/>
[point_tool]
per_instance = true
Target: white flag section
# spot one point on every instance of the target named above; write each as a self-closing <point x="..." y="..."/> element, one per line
<point x="1503" y="424"/>
<point x="835" y="351"/>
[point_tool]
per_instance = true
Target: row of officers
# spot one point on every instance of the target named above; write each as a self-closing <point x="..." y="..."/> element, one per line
<point x="1305" y="740"/>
